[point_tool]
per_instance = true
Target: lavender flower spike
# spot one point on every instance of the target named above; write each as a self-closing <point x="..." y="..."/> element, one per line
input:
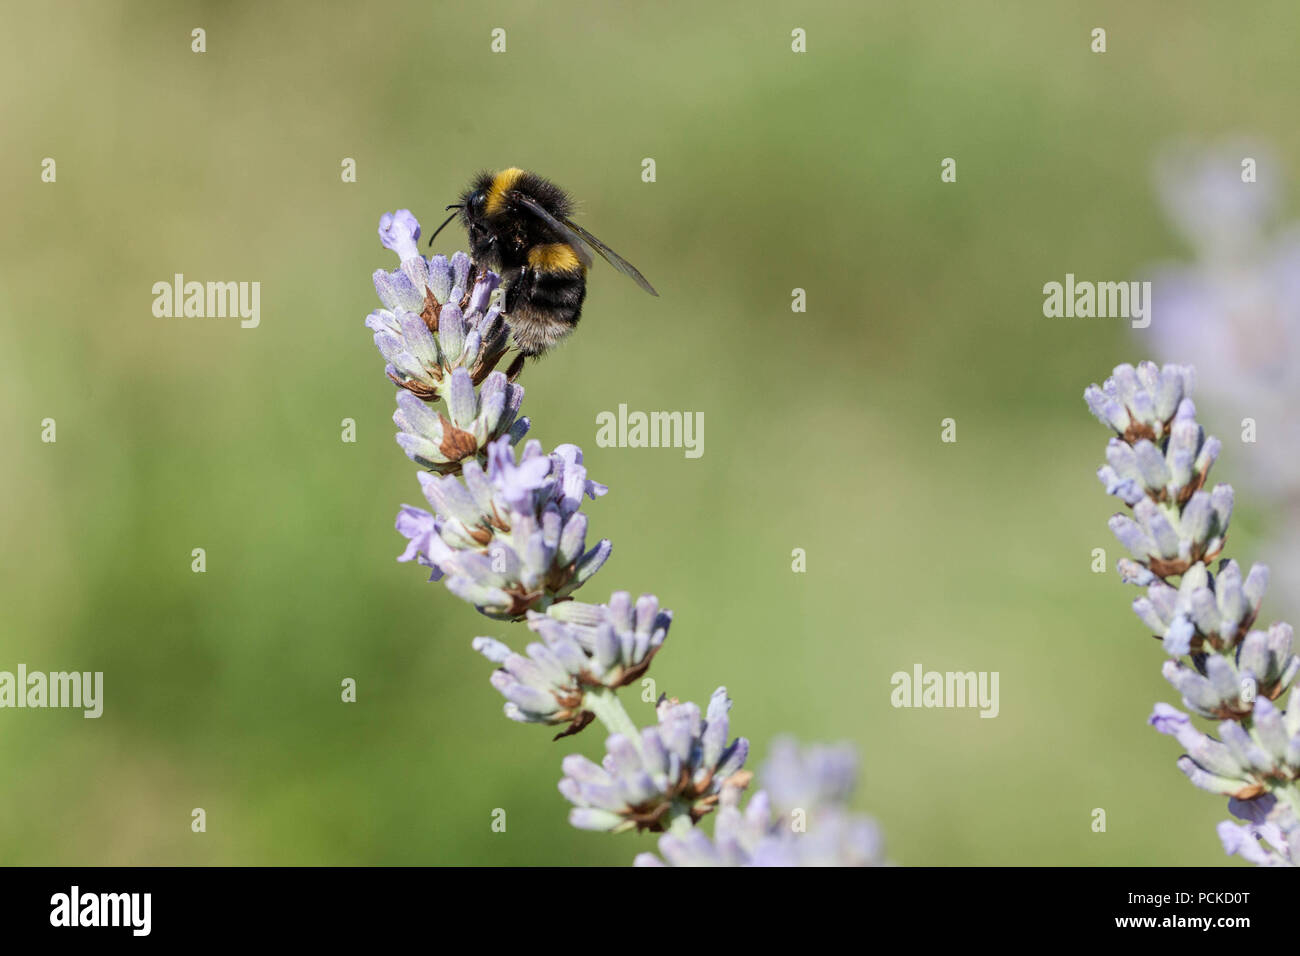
<point x="675" y="771"/>
<point x="1224" y="668"/>
<point x="433" y="441"/>
<point x="506" y="532"/>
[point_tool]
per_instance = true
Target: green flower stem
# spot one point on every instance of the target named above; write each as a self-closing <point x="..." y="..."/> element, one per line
<point x="604" y="703"/>
<point x="681" y="820"/>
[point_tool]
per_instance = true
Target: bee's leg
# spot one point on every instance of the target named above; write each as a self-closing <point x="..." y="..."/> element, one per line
<point x="518" y="287"/>
<point x="516" y="367"/>
<point x="470" y="282"/>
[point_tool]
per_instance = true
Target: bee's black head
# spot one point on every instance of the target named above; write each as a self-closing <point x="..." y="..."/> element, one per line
<point x="474" y="200"/>
<point x="484" y="206"/>
<point x="472" y="206"/>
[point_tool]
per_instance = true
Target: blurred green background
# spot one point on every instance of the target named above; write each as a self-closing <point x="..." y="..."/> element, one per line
<point x="775" y="171"/>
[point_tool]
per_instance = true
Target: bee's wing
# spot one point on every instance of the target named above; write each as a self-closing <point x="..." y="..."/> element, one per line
<point x="580" y="239"/>
<point x="613" y="258"/>
<point x="560" y="229"/>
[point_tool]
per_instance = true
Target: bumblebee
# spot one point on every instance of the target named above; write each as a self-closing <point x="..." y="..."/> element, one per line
<point x="519" y="226"/>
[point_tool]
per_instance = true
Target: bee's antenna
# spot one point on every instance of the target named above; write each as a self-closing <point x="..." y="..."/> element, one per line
<point x="444" y="222"/>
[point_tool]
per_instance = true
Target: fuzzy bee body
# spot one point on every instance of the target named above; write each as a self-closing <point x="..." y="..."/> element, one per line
<point x="518" y="225"/>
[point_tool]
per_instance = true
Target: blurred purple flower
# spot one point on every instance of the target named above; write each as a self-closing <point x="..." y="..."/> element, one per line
<point x="1234" y="312"/>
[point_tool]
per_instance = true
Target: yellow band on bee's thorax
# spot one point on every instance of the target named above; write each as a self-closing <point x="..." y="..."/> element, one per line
<point x="502" y="183"/>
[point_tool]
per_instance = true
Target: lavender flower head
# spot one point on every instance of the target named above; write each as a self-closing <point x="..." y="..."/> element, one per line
<point x="511" y="538"/>
<point x="585" y="647"/>
<point x="442" y="338"/>
<point x="1245" y="763"/>
<point x="675" y="770"/>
